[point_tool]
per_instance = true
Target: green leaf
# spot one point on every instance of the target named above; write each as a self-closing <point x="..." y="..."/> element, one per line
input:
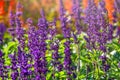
<point x="49" y="76"/>
<point x="85" y="59"/>
<point x="9" y="47"/>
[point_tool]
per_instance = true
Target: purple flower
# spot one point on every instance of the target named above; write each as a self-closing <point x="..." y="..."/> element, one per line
<point x="117" y="5"/>
<point x="77" y="15"/>
<point x="14" y="75"/>
<point x="63" y="21"/>
<point x="22" y="59"/>
<point x="20" y="33"/>
<point x="37" y="46"/>
<point x="19" y="9"/>
<point x="110" y="33"/>
<point x="11" y="30"/>
<point x="30" y="22"/>
<point x="99" y="31"/>
<point x="12" y="19"/>
<point x="24" y="67"/>
<point x="67" y="59"/>
<point x="2" y="31"/>
<point x="103" y="58"/>
<point x="52" y="29"/>
<point x="67" y="35"/>
<point x="106" y="67"/>
<point x="90" y="20"/>
<point x="3" y="68"/>
<point x="14" y="67"/>
<point x="42" y="37"/>
<point x="102" y="6"/>
<point x="55" y="56"/>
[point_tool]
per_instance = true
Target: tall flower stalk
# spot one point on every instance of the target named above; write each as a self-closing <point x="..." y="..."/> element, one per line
<point x="99" y="31"/>
<point x="43" y="32"/>
<point x="14" y="66"/>
<point x="37" y="46"/>
<point x="1" y="66"/>
<point x="19" y="27"/>
<point x="77" y="11"/>
<point x="54" y="47"/>
<point x="11" y="30"/>
<point x="2" y="31"/>
<point x="67" y="35"/>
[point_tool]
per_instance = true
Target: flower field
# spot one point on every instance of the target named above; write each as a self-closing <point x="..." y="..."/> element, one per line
<point x="81" y="42"/>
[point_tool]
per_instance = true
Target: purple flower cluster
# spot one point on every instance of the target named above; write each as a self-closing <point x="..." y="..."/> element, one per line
<point x="1" y="65"/>
<point x="11" y="30"/>
<point x="77" y="15"/>
<point x="99" y="31"/>
<point x="105" y="65"/>
<point x="52" y="29"/>
<point x="37" y="46"/>
<point x="63" y="21"/>
<point x="19" y="30"/>
<point x="24" y="67"/>
<point x="67" y="59"/>
<point x="2" y="31"/>
<point x="3" y="68"/>
<point x="12" y="19"/>
<point x="117" y="5"/>
<point x="19" y="59"/>
<point x="14" y="67"/>
<point x="67" y="34"/>
<point x="116" y="15"/>
<point x="30" y="62"/>
<point x="55" y="56"/>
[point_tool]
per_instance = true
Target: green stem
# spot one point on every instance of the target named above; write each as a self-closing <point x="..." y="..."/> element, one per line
<point x="98" y="72"/>
<point x="78" y="64"/>
<point x="78" y="58"/>
<point x="53" y="73"/>
<point x="94" y="71"/>
<point x="86" y="72"/>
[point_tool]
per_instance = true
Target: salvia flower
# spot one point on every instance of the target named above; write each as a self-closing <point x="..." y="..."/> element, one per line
<point x="19" y="26"/>
<point x="52" y="29"/>
<point x="67" y="59"/>
<point x="24" y="67"/>
<point x="37" y="46"/>
<point x="3" y="68"/>
<point x="20" y="33"/>
<point x="1" y="64"/>
<point x="110" y="33"/>
<point x="105" y="65"/>
<point x="14" y="67"/>
<point x="22" y="60"/>
<point x="63" y="21"/>
<point x="67" y="35"/>
<point x="2" y="31"/>
<point x="117" y="5"/>
<point x="98" y="26"/>
<point x="90" y="20"/>
<point x="42" y="34"/>
<point x="19" y="9"/>
<point x="77" y="15"/>
<point x="12" y="19"/>
<point x="11" y="30"/>
<point x="55" y="54"/>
